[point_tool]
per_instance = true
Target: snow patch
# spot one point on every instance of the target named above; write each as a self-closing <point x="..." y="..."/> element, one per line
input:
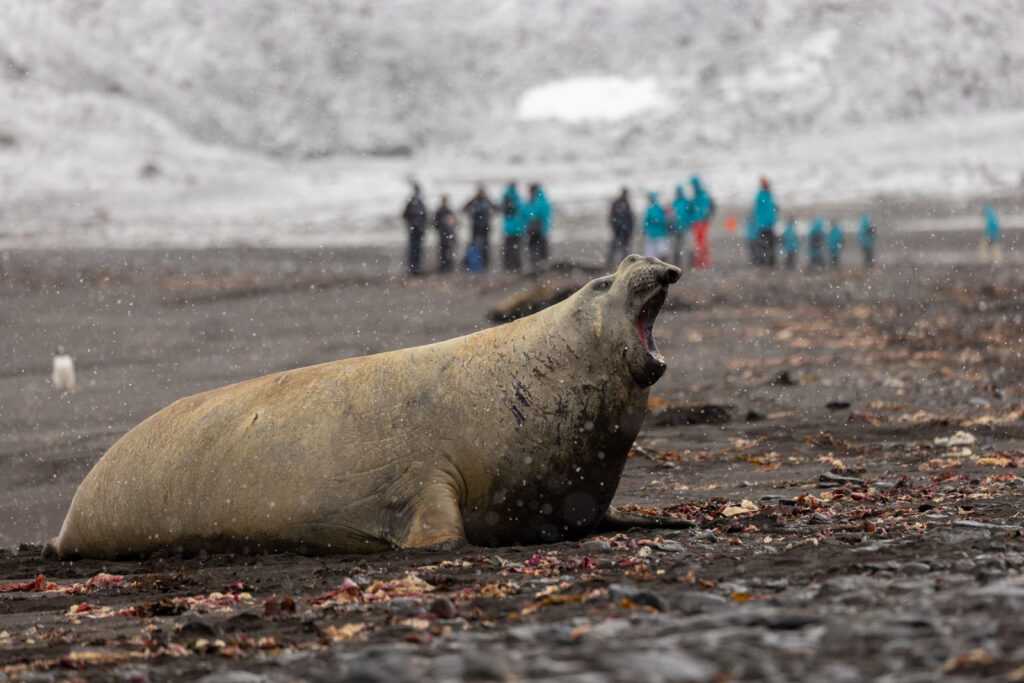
<point x="590" y="98"/>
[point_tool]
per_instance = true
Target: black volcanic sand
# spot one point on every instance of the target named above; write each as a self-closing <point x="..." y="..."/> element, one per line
<point x="840" y="535"/>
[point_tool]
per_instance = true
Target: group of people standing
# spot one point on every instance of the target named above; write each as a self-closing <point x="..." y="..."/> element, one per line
<point x="764" y="244"/>
<point x="529" y="219"/>
<point x="665" y="228"/>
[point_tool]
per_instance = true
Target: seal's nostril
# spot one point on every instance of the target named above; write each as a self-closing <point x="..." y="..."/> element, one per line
<point x="670" y="275"/>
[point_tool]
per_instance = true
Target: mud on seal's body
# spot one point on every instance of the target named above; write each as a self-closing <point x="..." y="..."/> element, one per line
<point x="515" y="434"/>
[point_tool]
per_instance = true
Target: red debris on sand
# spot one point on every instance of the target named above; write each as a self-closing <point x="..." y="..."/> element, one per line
<point x="349" y="591"/>
<point x="104" y="580"/>
<point x="40" y="584"/>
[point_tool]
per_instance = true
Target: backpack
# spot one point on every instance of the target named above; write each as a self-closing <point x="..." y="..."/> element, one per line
<point x="475" y="258"/>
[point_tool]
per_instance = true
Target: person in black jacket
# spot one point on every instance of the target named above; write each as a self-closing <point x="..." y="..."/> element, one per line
<point x="415" y="216"/>
<point x="479" y="209"/>
<point x="444" y="222"/>
<point x="621" y="219"/>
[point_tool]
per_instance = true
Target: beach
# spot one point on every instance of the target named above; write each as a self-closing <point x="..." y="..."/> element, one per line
<point x="848" y="443"/>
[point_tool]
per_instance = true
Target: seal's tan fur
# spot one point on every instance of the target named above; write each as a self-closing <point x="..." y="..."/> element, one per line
<point x="517" y="433"/>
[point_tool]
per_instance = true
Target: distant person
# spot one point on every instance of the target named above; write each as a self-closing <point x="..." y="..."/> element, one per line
<point x="702" y="208"/>
<point x="790" y="243"/>
<point x="753" y="248"/>
<point x="816" y="243"/>
<point x="991" y="245"/>
<point x="621" y="219"/>
<point x="538" y="226"/>
<point x="479" y="210"/>
<point x="445" y="222"/>
<point x="415" y="217"/>
<point x="655" y="228"/>
<point x="512" y="210"/>
<point x="765" y="216"/>
<point x="835" y="244"/>
<point x="866" y="237"/>
<point x="681" y="211"/>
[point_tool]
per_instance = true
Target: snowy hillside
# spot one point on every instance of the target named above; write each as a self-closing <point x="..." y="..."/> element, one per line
<point x="837" y="99"/>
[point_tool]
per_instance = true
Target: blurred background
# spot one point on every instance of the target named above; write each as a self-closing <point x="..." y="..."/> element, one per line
<point x="175" y="123"/>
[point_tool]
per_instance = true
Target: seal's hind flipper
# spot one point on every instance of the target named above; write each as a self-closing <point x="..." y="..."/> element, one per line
<point x="617" y="520"/>
<point x="435" y="522"/>
<point x="50" y="552"/>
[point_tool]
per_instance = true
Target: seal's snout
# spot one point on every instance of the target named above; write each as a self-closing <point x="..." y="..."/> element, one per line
<point x="670" y="275"/>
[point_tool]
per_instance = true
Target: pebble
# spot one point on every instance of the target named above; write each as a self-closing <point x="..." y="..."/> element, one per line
<point x="915" y="568"/>
<point x="695" y="600"/>
<point x="193" y="626"/>
<point x="970" y="523"/>
<point x="404" y="604"/>
<point x="234" y="677"/>
<point x="832" y="476"/>
<point x="444" y="608"/>
<point x="595" y="546"/>
<point x="617" y="592"/>
<point x="668" y="547"/>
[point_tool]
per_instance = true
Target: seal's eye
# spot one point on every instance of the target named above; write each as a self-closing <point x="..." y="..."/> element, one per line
<point x="602" y="285"/>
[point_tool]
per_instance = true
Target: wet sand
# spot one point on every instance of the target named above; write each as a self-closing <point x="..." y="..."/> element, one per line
<point x="867" y="548"/>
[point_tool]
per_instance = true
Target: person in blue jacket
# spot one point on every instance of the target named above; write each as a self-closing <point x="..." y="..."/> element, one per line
<point x="512" y="211"/>
<point x="765" y="215"/>
<point x="655" y="229"/>
<point x="991" y="249"/>
<point x="816" y="243"/>
<point x="790" y="243"/>
<point x="835" y="243"/>
<point x="866" y="236"/>
<point x="681" y="208"/>
<point x="538" y="226"/>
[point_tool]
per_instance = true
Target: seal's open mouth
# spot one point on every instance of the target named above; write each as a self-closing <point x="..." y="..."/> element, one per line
<point x="645" y="322"/>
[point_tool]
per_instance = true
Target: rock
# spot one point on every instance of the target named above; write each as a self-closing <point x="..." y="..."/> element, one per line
<point x="840" y="478"/>
<point x="234" y="677"/>
<point x="526" y="303"/>
<point x="980" y="402"/>
<point x="782" y="379"/>
<point x="444" y="608"/>
<point x="693" y="601"/>
<point x="405" y="606"/>
<point x="245" y="621"/>
<point x="970" y="523"/>
<point x="689" y="414"/>
<point x="668" y="547"/>
<point x="192" y="626"/>
<point x="915" y="568"/>
<point x="617" y="592"/>
<point x="486" y="666"/>
<point x="595" y="546"/>
<point x="960" y="438"/>
<point x="655" y="666"/>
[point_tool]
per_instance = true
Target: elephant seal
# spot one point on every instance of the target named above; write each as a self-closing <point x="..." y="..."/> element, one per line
<point x="514" y="434"/>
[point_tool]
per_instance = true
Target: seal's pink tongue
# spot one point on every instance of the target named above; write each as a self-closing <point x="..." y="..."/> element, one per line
<point x="641" y="327"/>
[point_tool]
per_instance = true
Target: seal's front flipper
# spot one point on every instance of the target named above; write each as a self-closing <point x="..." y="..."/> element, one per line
<point x="617" y="520"/>
<point x="435" y="522"/>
